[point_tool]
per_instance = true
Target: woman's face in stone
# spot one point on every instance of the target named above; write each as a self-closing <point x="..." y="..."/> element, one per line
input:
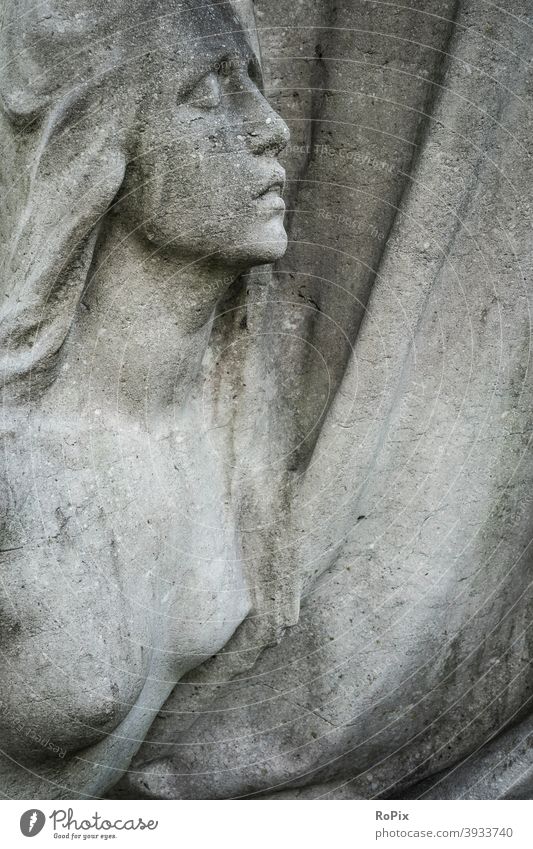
<point x="204" y="180"/>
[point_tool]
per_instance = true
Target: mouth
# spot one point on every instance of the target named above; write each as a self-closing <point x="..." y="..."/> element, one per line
<point x="273" y="187"/>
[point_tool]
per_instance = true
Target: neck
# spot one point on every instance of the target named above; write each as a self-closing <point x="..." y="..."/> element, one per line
<point x="141" y="331"/>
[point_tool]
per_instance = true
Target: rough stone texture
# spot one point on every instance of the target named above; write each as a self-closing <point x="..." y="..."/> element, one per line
<point x="412" y="648"/>
<point x="499" y="769"/>
<point x="140" y="163"/>
<point x="352" y="460"/>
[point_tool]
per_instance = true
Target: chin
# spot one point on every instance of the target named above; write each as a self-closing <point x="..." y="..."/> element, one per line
<point x="262" y="247"/>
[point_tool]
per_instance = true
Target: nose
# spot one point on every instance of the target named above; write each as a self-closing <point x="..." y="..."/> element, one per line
<point x="266" y="131"/>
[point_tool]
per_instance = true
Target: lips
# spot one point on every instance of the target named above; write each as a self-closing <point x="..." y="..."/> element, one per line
<point x="274" y="185"/>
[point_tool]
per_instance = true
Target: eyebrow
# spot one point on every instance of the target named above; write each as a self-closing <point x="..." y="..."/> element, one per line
<point x="248" y="62"/>
<point x="247" y="59"/>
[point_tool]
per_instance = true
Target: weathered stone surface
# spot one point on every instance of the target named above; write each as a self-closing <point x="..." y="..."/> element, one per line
<point x="413" y="646"/>
<point x="140" y="159"/>
<point x="314" y="513"/>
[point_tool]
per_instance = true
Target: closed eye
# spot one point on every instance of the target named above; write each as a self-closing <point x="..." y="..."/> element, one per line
<point x="206" y="94"/>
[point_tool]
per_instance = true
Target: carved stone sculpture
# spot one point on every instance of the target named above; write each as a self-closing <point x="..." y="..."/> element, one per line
<point x="144" y="183"/>
<point x="265" y="532"/>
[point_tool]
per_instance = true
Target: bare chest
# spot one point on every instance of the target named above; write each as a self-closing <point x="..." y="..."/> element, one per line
<point x="120" y="560"/>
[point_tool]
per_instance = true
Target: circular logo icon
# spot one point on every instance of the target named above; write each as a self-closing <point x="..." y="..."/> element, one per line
<point x="32" y="822"/>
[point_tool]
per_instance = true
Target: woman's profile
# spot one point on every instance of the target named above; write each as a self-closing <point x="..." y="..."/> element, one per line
<point x="139" y="159"/>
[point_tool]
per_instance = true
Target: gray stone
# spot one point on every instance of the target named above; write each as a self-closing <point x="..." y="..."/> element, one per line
<point x="143" y="176"/>
<point x="266" y="529"/>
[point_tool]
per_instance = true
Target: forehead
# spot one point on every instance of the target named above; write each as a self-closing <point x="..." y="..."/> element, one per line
<point x="154" y="41"/>
<point x="199" y="32"/>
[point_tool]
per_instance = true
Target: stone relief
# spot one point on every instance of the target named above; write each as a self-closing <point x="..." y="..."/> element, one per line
<point x="265" y="494"/>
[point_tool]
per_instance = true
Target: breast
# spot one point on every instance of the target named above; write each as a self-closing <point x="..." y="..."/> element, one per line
<point x="75" y="646"/>
<point x="73" y="664"/>
<point x="108" y="572"/>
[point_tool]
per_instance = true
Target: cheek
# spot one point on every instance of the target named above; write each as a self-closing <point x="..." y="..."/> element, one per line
<point x="210" y="191"/>
<point x="197" y="184"/>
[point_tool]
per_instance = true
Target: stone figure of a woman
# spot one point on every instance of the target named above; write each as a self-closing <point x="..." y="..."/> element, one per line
<point x="138" y="156"/>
